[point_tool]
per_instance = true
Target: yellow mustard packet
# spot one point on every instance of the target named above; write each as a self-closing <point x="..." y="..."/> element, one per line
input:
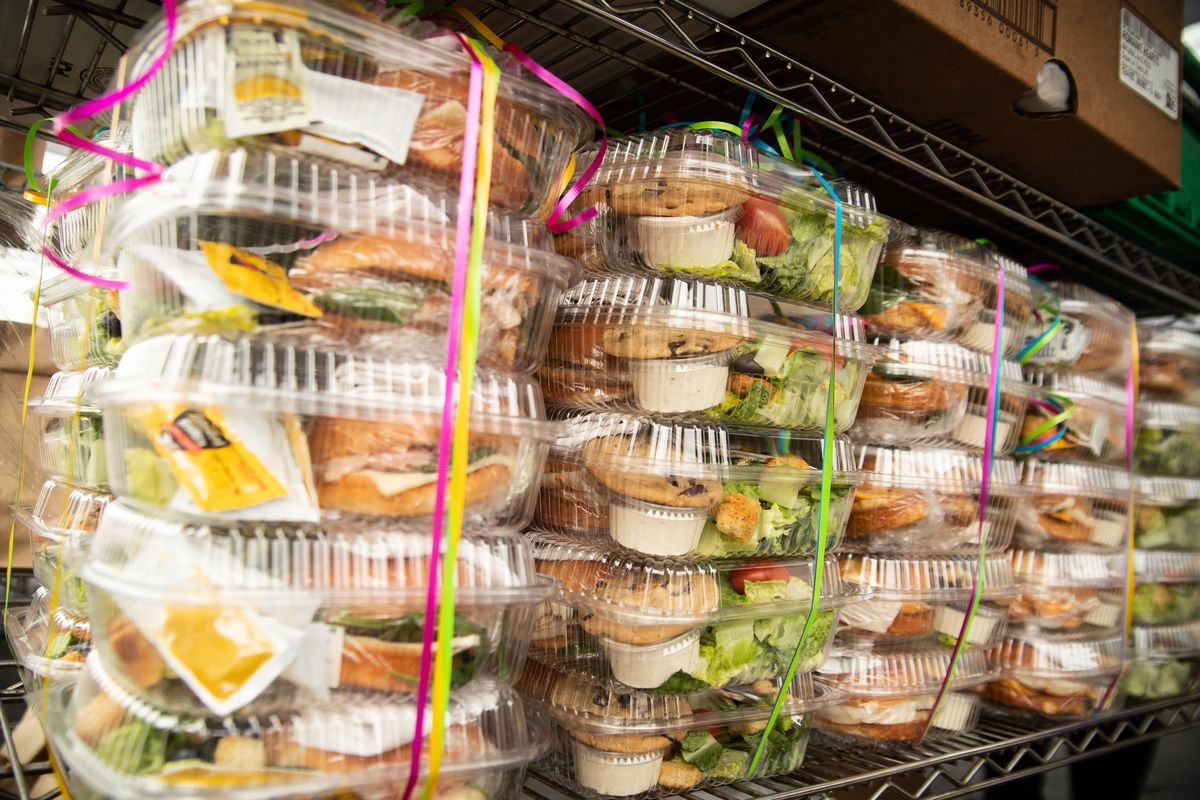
<point x="255" y="278"/>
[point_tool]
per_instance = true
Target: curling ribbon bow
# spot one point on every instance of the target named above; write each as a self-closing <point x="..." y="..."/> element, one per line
<point x="1057" y="409"/>
<point x="985" y="478"/>
<point x="1050" y="310"/>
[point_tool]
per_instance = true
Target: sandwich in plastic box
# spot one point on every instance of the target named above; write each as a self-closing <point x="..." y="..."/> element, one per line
<point x="1093" y="431"/>
<point x="70" y="433"/>
<point x="255" y="239"/>
<point x="1068" y="591"/>
<point x="915" y="599"/>
<point x="1020" y="297"/>
<point x="928" y="392"/>
<point x="708" y="204"/>
<point x="639" y="743"/>
<point x="1073" y="506"/>
<point x="1165" y="663"/>
<point x="361" y="745"/>
<point x="202" y="619"/>
<point x="1168" y="440"/>
<point x="340" y="86"/>
<point x="678" y="625"/>
<point x="1167" y="590"/>
<point x="1169" y="364"/>
<point x="313" y="432"/>
<point x="1059" y="678"/>
<point x="678" y="488"/>
<point x="916" y="500"/>
<point x="890" y="693"/>
<point x="1095" y="337"/>
<point x="1167" y="513"/>
<point x="665" y="344"/>
<point x="63" y="516"/>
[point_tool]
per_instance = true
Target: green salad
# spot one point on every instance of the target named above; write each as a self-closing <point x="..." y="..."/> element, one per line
<point x="1174" y="453"/>
<point x="74" y="446"/>
<point x="725" y="755"/>
<point x="1166" y="603"/>
<point x="1158" y="679"/>
<point x="49" y="568"/>
<point x="791" y="394"/>
<point x="1169" y="527"/>
<point x="103" y="336"/>
<point x="771" y="519"/>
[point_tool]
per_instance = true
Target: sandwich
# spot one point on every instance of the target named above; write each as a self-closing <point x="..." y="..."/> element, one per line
<point x="1050" y="698"/>
<point x="578" y="371"/>
<point x="885" y="510"/>
<point x="1065" y="517"/>
<point x="910" y="400"/>
<point x="895" y="612"/>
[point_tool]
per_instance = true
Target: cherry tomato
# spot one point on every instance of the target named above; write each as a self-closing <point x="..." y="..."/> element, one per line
<point x="763" y="227"/>
<point x="756" y="573"/>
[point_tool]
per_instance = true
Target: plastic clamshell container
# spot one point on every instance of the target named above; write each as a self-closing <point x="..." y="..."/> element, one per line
<point x="1168" y="440"/>
<point x="623" y="743"/>
<point x="340" y="86"/>
<point x="70" y="434"/>
<point x="682" y="345"/>
<point x="1073" y="507"/>
<point x="708" y="204"/>
<point x="676" y="625"/>
<point x="192" y="617"/>
<point x="83" y="321"/>
<point x="1167" y="514"/>
<point x="677" y="488"/>
<point x="361" y="744"/>
<point x="1165" y="663"/>
<point x="262" y="240"/>
<point x="1020" y="296"/>
<point x="62" y="517"/>
<point x="323" y="433"/>
<point x="1169" y="364"/>
<point x="928" y="392"/>
<point x="890" y="693"/>
<point x="925" y="500"/>
<point x="50" y="647"/>
<point x="1068" y="591"/>
<point x="1167" y="590"/>
<point x="73" y="236"/>
<point x="1053" y="677"/>
<point x="914" y="599"/>
<point x="1094" y="430"/>
<point x="1096" y="334"/>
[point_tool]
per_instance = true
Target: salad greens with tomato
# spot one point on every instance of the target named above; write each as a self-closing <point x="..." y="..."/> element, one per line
<point x="1169" y="528"/>
<point x="785" y="524"/>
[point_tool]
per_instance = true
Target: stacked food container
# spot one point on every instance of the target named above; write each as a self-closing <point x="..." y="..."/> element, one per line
<point x="1064" y="650"/>
<point x="914" y="531"/>
<point x="257" y="591"/>
<point x="681" y="505"/>
<point x="1165" y="637"/>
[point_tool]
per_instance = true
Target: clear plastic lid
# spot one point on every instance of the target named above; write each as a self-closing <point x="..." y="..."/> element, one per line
<point x="1169" y="416"/>
<point x="1164" y="492"/>
<point x="64" y="510"/>
<point x="1159" y="341"/>
<point x="267" y="375"/>
<point x="1166" y="640"/>
<point x="361" y="741"/>
<point x="593" y="707"/>
<point x="28" y="631"/>
<point x="945" y="578"/>
<point x="890" y="671"/>
<point x="71" y="392"/>
<point x="1081" y="480"/>
<point x="1169" y="368"/>
<point x="1080" y="388"/>
<point x="941" y="468"/>
<point x="677" y="154"/>
<point x="140" y="555"/>
<point x="920" y="358"/>
<point x="1095" y="336"/>
<point x="1032" y="655"/>
<point x="1036" y="568"/>
<point x="1166" y="566"/>
<point x="630" y="588"/>
<point x="948" y="251"/>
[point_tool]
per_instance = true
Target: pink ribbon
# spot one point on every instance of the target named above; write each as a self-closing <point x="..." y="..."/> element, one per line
<point x="555" y="222"/>
<point x="462" y="245"/>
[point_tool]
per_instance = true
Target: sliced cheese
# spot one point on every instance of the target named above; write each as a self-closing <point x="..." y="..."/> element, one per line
<point x="390" y="484"/>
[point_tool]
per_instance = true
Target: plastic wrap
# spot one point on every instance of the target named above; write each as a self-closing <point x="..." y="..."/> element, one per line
<point x="1168" y="440"/>
<point x="70" y="433"/>
<point x="1095" y="334"/>
<point x="1071" y="591"/>
<point x="1167" y="514"/>
<point x="1056" y="678"/>
<point x="1074" y="506"/>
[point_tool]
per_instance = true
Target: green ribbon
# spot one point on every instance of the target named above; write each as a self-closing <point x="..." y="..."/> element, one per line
<point x="27" y="154"/>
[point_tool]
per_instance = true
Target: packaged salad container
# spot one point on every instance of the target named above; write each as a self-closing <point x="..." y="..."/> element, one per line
<point x="1167" y="514"/>
<point x="262" y="240"/>
<point x="360" y="745"/>
<point x="1073" y="506"/>
<point x="1165" y="663"/>
<point x="1094" y="426"/>
<point x="912" y="600"/>
<point x="1169" y="364"/>
<point x="334" y="85"/>
<point x="676" y="626"/>
<point x="916" y="500"/>
<point x="1068" y="592"/>
<point x="316" y="433"/>
<point x="677" y="488"/>
<point x="49" y="646"/>
<point x="923" y="392"/>
<point x="1168" y="440"/>
<point x="1167" y="590"/>
<point x="639" y="743"/>
<point x="706" y="203"/>
<point x="62" y="517"/>
<point x="84" y="322"/>
<point x="890" y="694"/>
<point x="194" y="618"/>
<point x="1059" y="678"/>
<point x="679" y="345"/>
<point x="1096" y="334"/>
<point x="70" y="429"/>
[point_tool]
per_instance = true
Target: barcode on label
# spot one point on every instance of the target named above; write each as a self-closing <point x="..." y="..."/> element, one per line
<point x="1148" y="64"/>
<point x="1156" y="44"/>
<point x="1036" y="20"/>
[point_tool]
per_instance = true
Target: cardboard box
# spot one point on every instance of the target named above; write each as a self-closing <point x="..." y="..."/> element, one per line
<point x="956" y="67"/>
